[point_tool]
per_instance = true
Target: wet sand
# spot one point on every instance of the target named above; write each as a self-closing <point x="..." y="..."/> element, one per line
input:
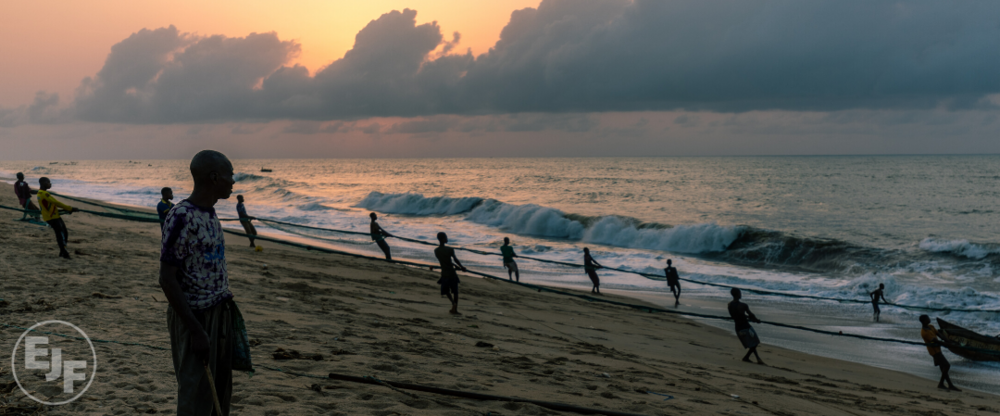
<point x="853" y="319"/>
<point x="369" y="318"/>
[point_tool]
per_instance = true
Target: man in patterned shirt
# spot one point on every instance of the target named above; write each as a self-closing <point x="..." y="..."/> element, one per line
<point x="194" y="279"/>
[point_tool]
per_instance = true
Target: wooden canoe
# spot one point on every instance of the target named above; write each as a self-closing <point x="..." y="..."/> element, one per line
<point x="968" y="344"/>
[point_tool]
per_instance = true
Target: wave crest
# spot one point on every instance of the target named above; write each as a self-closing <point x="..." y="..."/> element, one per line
<point x="689" y="239"/>
<point x="961" y="248"/>
<point x="540" y="221"/>
<point x="248" y="177"/>
<point x="417" y="204"/>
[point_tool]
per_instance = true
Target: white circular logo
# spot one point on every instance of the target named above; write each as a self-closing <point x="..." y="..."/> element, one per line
<point x="53" y="366"/>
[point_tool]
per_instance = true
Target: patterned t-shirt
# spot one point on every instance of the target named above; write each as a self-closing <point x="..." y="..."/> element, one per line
<point x="193" y="241"/>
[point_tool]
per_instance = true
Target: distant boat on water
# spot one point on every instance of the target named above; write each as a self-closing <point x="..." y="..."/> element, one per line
<point x="265" y="169"/>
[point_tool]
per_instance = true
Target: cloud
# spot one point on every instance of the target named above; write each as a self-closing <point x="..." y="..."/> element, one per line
<point x="162" y="76"/>
<point x="570" y="56"/>
<point x="44" y="109"/>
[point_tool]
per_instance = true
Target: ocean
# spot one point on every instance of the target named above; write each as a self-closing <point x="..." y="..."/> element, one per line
<point x="928" y="227"/>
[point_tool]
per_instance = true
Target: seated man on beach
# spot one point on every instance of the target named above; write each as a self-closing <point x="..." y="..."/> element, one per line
<point x="449" y="278"/>
<point x="164" y="205"/>
<point x="245" y="219"/>
<point x="875" y="295"/>
<point x="23" y="192"/>
<point x="742" y="316"/>
<point x="508" y="259"/>
<point x="379" y="235"/>
<point x="50" y="214"/>
<point x="590" y="266"/>
<point x="930" y="336"/>
<point x="674" y="281"/>
<point x="195" y="282"/>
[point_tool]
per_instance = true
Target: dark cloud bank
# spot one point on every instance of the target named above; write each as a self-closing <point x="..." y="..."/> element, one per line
<point x="571" y="56"/>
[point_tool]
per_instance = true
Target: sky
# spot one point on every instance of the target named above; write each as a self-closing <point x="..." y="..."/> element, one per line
<point x="423" y="78"/>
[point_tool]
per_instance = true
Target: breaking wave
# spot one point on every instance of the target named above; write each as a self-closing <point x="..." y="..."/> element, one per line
<point x="962" y="248"/>
<point x="739" y="244"/>
<point x="540" y="221"/>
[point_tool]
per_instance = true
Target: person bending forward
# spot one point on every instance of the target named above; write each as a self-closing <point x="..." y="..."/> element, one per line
<point x="590" y="266"/>
<point x="930" y="336"/>
<point x="742" y="316"/>
<point x="50" y="214"/>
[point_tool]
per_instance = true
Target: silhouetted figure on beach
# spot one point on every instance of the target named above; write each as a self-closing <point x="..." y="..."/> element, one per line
<point x="23" y="192"/>
<point x="50" y="214"/>
<point x="193" y="277"/>
<point x="674" y="281"/>
<point x="590" y="266"/>
<point x="245" y="220"/>
<point x="449" y="277"/>
<point x="508" y="259"/>
<point x="875" y="295"/>
<point x="379" y="235"/>
<point x="930" y="336"/>
<point x="164" y="205"/>
<point x="742" y="316"/>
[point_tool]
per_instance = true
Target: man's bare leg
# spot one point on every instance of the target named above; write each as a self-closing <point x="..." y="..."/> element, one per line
<point x="454" y="304"/>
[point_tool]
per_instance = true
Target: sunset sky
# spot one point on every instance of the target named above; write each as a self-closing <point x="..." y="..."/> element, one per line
<point x="156" y="79"/>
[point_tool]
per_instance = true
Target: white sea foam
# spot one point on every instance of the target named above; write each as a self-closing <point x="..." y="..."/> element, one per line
<point x="417" y="204"/>
<point x="958" y="247"/>
<point x="539" y="221"/>
<point x="530" y="219"/>
<point x="690" y="239"/>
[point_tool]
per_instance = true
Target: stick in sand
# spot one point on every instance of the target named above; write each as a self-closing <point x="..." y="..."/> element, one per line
<point x="215" y="395"/>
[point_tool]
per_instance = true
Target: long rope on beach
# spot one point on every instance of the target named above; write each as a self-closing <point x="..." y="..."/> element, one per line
<point x="539" y="288"/>
<point x="145" y="217"/>
<point x="646" y="275"/>
<point x="644" y="308"/>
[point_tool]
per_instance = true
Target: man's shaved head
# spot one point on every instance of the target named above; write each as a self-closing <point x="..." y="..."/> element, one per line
<point x="213" y="178"/>
<point x="206" y="162"/>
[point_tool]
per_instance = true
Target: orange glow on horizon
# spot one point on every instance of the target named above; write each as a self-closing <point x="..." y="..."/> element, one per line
<point x="53" y="45"/>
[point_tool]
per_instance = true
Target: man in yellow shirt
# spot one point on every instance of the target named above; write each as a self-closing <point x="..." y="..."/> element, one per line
<point x="50" y="214"/>
<point x="930" y="336"/>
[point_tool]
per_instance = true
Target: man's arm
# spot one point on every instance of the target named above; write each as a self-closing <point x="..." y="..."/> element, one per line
<point x="457" y="263"/>
<point x="750" y="315"/>
<point x="172" y="290"/>
<point x="56" y="202"/>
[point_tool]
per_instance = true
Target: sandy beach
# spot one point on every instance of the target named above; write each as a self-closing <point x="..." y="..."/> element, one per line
<point x="369" y="318"/>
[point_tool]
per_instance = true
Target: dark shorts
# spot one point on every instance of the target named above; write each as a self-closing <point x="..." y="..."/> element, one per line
<point x="875" y="305"/>
<point x="748" y="337"/>
<point x="673" y="283"/>
<point x="449" y="286"/>
<point x="939" y="360"/>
